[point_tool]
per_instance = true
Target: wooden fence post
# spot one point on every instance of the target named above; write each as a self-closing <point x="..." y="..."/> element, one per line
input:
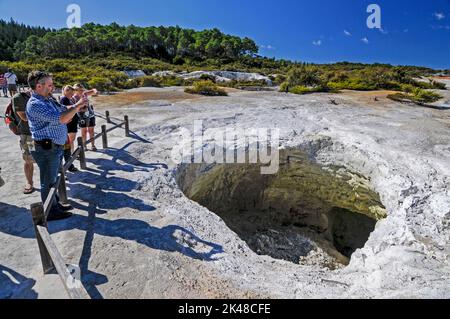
<point x="127" y="126"/>
<point x="38" y="215"/>
<point x="83" y="165"/>
<point x="104" y="137"/>
<point x="108" y="119"/>
<point x="62" y="189"/>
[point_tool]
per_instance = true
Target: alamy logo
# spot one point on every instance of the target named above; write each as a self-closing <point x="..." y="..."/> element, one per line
<point x="74" y="19"/>
<point x="228" y="146"/>
<point x="374" y="20"/>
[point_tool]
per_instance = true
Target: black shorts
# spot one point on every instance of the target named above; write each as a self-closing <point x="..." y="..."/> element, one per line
<point x="72" y="127"/>
<point x="87" y="122"/>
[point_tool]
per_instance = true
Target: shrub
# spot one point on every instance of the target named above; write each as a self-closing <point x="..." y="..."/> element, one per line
<point x="170" y="81"/>
<point x="304" y="76"/>
<point x="417" y="96"/>
<point x="439" y="85"/>
<point x="284" y="87"/>
<point x="278" y="79"/>
<point x="208" y="77"/>
<point x="408" y="88"/>
<point x="149" y="81"/>
<point x="243" y="84"/>
<point x="129" y="84"/>
<point x="207" y="88"/>
<point x="431" y="85"/>
<point x="352" y="84"/>
<point x="423" y="96"/>
<point x="299" y="89"/>
<point x="399" y="97"/>
<point x="102" y="84"/>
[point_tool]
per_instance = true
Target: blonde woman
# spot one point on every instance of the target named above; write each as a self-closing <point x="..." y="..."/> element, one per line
<point x="86" y="116"/>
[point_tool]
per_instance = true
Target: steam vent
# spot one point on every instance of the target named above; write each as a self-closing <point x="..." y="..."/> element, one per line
<point x="305" y="214"/>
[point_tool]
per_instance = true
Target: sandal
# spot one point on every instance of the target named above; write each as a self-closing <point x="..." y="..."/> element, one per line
<point x="94" y="149"/>
<point x="29" y="189"/>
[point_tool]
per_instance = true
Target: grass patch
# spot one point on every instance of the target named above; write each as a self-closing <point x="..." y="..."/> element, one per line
<point x="416" y="95"/>
<point x="206" y="87"/>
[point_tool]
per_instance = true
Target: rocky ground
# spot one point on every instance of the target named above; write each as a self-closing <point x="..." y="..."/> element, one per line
<point x="136" y="235"/>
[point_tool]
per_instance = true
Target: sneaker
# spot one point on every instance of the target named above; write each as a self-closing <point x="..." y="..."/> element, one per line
<point x="94" y="149"/>
<point x="56" y="214"/>
<point x="65" y="208"/>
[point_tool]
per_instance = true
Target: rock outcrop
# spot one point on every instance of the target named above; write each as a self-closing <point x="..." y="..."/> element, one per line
<point x="220" y="76"/>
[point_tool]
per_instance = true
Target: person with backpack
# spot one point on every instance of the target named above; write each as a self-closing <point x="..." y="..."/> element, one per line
<point x="3" y="85"/>
<point x="11" y="81"/>
<point x="19" y="102"/>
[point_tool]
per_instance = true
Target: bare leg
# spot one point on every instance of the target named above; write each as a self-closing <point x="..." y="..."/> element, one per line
<point x="28" y="168"/>
<point x="72" y="137"/>
<point x="84" y="135"/>
<point x="92" y="135"/>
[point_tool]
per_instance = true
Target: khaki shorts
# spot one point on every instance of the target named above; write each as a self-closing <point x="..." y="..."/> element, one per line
<point x="25" y="143"/>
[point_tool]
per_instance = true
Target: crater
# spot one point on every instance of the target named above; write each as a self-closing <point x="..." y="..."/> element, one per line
<point x="307" y="213"/>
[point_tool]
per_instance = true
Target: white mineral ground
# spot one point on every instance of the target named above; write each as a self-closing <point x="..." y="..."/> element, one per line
<point x="136" y="235"/>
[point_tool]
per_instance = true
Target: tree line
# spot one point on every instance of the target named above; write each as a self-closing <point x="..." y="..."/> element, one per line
<point x="171" y="44"/>
<point x="13" y="34"/>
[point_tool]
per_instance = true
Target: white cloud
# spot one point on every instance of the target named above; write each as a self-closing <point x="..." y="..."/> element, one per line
<point x="406" y="30"/>
<point x="365" y="40"/>
<point x="440" y="27"/>
<point x="268" y="47"/>
<point x="317" y="43"/>
<point x="439" y="15"/>
<point x="347" y="33"/>
<point x="384" y="31"/>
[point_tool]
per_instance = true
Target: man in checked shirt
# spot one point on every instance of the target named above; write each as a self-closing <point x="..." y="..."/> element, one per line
<point x="47" y="120"/>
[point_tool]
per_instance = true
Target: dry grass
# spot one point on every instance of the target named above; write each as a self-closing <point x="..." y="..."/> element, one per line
<point x="369" y="98"/>
<point x="129" y="98"/>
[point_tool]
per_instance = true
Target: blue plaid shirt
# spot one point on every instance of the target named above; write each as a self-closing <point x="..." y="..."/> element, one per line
<point x="44" y="115"/>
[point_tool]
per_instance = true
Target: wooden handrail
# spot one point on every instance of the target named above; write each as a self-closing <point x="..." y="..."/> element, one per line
<point x="51" y="197"/>
<point x="50" y="256"/>
<point x="96" y="137"/>
<point x="82" y="154"/>
<point x="75" y="292"/>
<point x="72" y="159"/>
<point x="62" y="188"/>
<point x="114" y="127"/>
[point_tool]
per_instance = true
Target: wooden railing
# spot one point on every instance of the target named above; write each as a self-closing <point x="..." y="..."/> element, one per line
<point x="51" y="258"/>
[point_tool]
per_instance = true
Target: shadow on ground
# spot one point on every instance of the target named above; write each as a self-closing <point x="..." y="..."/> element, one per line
<point x="15" y="286"/>
<point x="103" y="191"/>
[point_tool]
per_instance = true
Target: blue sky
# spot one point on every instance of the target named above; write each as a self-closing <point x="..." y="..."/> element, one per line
<point x="415" y="32"/>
